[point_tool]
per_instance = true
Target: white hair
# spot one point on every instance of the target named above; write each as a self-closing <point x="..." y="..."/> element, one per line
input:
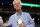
<point x="16" y="0"/>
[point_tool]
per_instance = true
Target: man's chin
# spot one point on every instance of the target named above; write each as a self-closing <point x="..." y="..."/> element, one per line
<point x="17" y="9"/>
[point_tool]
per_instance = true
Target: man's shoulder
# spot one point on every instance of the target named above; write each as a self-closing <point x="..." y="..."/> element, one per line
<point x="26" y="13"/>
<point x="12" y="15"/>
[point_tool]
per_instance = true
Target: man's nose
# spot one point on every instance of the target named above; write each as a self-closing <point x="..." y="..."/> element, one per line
<point x="17" y="5"/>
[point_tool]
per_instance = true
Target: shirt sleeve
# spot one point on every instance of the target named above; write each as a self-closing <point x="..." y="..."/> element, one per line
<point x="32" y="24"/>
<point x="9" y="22"/>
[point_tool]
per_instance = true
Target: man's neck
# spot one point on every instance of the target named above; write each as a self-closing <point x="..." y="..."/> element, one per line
<point x="18" y="11"/>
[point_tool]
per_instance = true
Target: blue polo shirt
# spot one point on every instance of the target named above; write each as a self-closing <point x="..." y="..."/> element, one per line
<point x="27" y="20"/>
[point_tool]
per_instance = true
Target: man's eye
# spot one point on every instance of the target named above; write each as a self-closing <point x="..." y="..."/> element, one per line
<point x="14" y="4"/>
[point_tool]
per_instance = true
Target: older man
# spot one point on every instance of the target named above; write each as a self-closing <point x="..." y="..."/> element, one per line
<point x="20" y="19"/>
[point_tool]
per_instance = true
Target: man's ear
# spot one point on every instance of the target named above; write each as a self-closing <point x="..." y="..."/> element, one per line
<point x="14" y="7"/>
<point x="21" y="5"/>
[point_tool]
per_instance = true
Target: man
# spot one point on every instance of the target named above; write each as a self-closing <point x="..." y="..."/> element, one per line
<point x="20" y="19"/>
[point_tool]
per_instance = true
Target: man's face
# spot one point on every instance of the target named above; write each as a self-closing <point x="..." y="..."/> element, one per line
<point x="17" y="5"/>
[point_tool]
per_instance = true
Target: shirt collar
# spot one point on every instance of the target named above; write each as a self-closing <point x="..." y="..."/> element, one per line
<point x="19" y="14"/>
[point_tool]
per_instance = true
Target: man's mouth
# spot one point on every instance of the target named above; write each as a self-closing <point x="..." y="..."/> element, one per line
<point x="17" y="7"/>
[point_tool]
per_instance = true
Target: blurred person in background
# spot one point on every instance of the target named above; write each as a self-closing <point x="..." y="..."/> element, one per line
<point x="1" y="21"/>
<point x="20" y="19"/>
<point x="5" y="24"/>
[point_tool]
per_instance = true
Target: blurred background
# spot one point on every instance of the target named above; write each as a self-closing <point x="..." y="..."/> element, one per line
<point x="30" y="6"/>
